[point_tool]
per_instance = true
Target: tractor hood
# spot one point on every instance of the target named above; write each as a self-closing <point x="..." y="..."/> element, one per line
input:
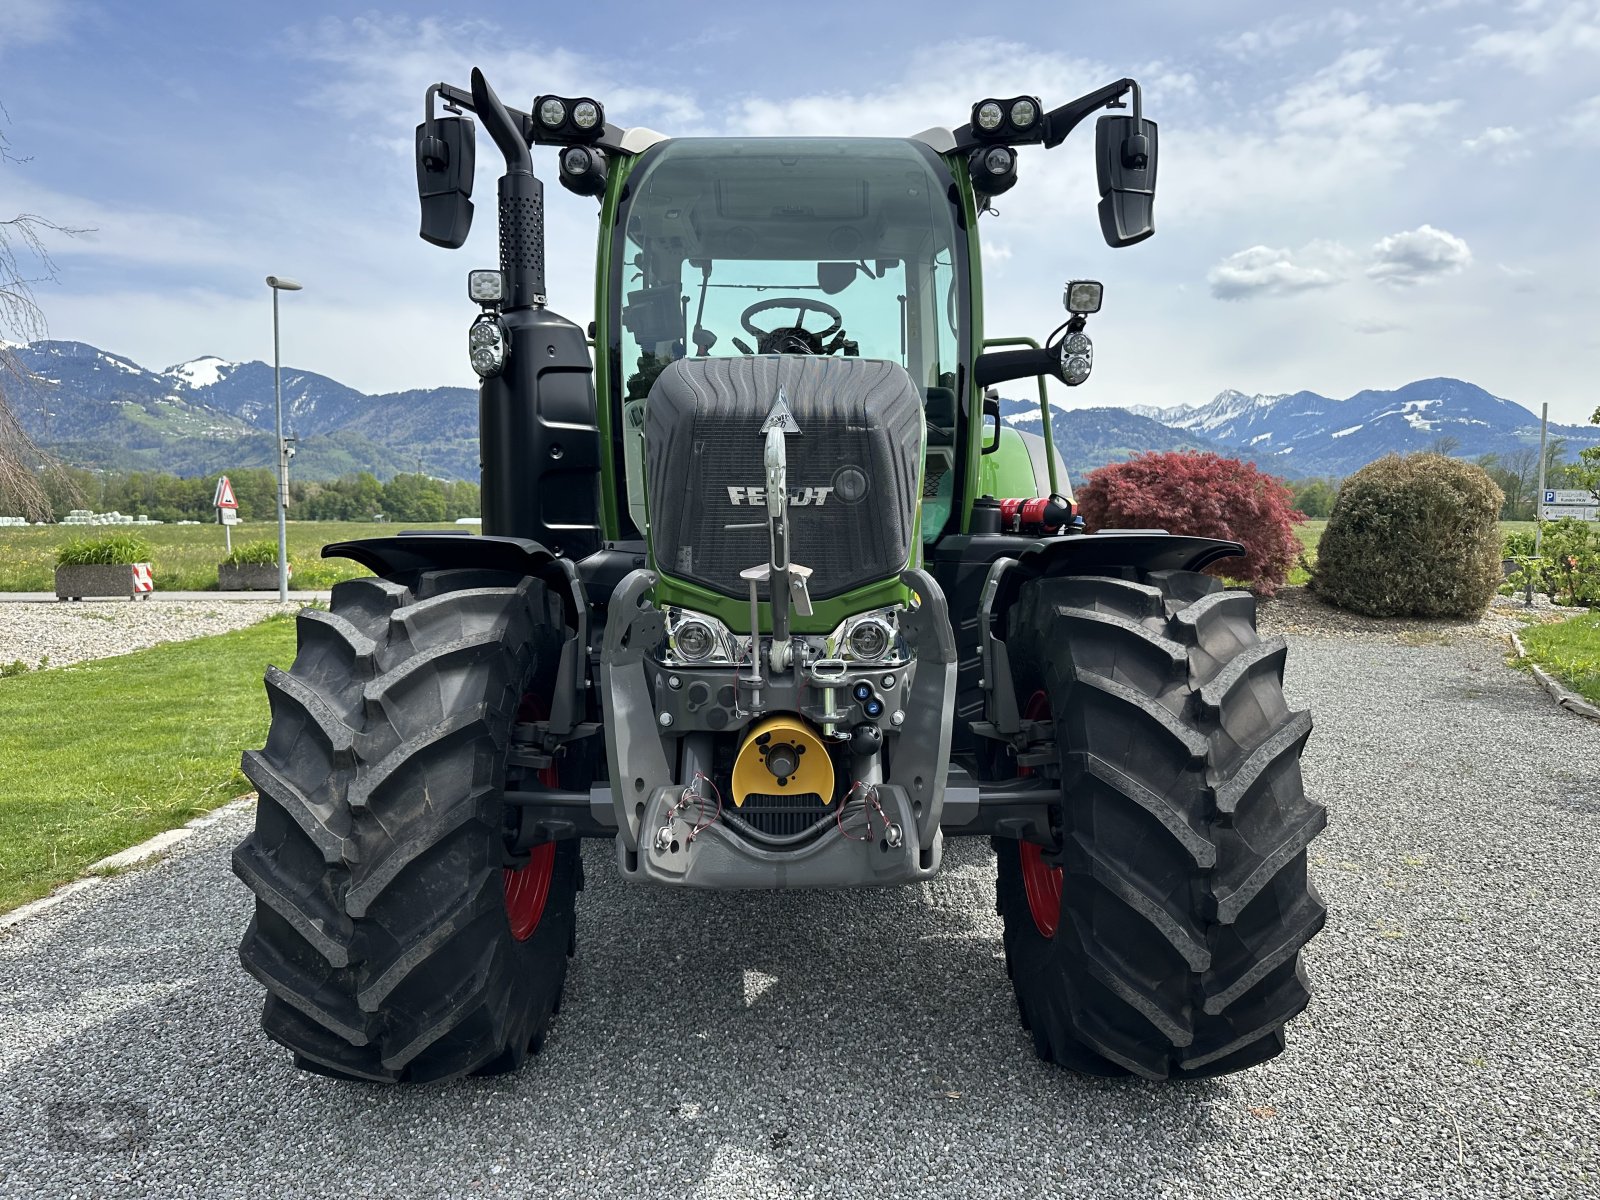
<point x="853" y="468"/>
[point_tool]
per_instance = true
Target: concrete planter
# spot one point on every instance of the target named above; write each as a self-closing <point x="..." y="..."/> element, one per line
<point x="111" y="579"/>
<point x="248" y="577"/>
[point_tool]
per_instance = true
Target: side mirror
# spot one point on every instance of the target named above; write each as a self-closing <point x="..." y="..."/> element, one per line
<point x="991" y="408"/>
<point x="1125" y="161"/>
<point x="446" y="155"/>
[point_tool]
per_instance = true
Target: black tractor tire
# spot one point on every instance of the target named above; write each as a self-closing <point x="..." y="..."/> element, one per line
<point x="1180" y="861"/>
<point x="383" y="921"/>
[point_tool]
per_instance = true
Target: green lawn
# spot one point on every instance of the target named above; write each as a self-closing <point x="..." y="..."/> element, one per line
<point x="103" y="754"/>
<point x="186" y="556"/>
<point x="1569" y="650"/>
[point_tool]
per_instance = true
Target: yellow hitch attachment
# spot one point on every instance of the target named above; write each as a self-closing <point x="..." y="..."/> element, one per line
<point x="781" y="756"/>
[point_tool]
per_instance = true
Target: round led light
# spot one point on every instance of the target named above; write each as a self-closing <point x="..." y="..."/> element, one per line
<point x="552" y="112"/>
<point x="1023" y="113"/>
<point x="585" y="114"/>
<point x="869" y="640"/>
<point x="483" y="334"/>
<point x="1076" y="343"/>
<point x="694" y="640"/>
<point x="485" y="361"/>
<point x="990" y="115"/>
<point x="999" y="161"/>
<point x="575" y="161"/>
<point x="1075" y="369"/>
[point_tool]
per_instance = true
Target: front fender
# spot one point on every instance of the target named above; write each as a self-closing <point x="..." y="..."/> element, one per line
<point x="399" y="554"/>
<point x="1083" y="554"/>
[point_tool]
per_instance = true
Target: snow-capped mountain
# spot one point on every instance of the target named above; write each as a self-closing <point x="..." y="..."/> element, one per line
<point x="1322" y="435"/>
<point x="99" y="409"/>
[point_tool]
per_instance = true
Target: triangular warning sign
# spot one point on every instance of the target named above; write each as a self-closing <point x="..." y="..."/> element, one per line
<point x="779" y="416"/>
<point x="224" y="497"/>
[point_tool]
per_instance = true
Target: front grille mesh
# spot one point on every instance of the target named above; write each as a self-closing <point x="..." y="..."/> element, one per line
<point x="783" y="816"/>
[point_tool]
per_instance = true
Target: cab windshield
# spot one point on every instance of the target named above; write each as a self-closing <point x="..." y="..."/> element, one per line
<point x="827" y="246"/>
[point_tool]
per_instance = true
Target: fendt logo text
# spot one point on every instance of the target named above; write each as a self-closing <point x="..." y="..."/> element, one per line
<point x="799" y="497"/>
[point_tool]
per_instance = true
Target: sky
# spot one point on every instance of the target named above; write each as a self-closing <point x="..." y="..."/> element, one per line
<point x="1348" y="197"/>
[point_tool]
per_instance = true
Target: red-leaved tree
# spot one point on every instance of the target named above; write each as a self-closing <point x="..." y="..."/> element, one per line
<point x="1204" y="495"/>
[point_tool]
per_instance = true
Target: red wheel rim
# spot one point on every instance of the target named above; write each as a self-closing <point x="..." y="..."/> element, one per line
<point x="1040" y="880"/>
<point x="527" y="887"/>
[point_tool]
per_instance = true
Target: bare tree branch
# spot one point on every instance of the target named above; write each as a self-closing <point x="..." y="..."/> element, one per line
<point x="24" y="262"/>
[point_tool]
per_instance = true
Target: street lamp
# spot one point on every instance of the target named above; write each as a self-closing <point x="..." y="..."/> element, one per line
<point x="280" y="284"/>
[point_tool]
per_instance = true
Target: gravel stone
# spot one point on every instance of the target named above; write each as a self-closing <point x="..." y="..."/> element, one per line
<point x="1294" y="611"/>
<point x="56" y="633"/>
<point x="866" y="1043"/>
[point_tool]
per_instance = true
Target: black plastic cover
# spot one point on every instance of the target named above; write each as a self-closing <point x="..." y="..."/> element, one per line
<point x="852" y="468"/>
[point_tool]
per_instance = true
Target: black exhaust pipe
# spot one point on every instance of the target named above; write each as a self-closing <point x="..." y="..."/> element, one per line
<point x="538" y="440"/>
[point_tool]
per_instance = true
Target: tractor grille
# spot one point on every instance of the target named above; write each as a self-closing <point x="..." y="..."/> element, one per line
<point x="781" y="818"/>
<point x="852" y="468"/>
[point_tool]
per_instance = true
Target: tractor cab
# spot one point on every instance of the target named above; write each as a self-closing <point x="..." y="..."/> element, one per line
<point x="825" y="247"/>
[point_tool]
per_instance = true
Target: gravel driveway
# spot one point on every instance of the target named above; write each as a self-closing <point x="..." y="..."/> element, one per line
<point x="866" y="1044"/>
<point x="64" y="633"/>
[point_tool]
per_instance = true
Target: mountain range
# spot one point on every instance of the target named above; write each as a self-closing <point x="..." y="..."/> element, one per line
<point x="100" y="410"/>
<point x="1303" y="434"/>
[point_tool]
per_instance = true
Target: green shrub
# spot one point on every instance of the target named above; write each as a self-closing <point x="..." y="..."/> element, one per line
<point x="263" y="553"/>
<point x="111" y="550"/>
<point x="1517" y="543"/>
<point x="1413" y="537"/>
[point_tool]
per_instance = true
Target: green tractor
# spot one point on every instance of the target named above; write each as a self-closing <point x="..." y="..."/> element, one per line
<point x="769" y="596"/>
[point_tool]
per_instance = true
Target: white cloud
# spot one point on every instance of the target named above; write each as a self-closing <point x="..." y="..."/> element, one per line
<point x="1264" y="271"/>
<point x="1503" y="143"/>
<point x="1560" y="30"/>
<point x="1326" y="143"/>
<point x="1409" y="258"/>
<point x="1285" y="31"/>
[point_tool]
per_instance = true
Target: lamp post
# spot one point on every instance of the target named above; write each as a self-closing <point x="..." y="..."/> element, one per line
<point x="280" y="284"/>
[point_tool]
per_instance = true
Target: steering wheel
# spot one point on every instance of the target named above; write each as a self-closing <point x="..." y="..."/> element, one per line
<point x="796" y="338"/>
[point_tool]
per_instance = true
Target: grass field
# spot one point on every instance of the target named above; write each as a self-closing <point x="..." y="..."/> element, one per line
<point x="101" y="755"/>
<point x="1569" y="650"/>
<point x="185" y="557"/>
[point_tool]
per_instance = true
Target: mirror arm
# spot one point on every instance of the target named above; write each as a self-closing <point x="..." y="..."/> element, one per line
<point x="1001" y="366"/>
<point x="1059" y="122"/>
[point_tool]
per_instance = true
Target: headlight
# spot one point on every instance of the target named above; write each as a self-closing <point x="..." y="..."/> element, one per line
<point x="869" y="640"/>
<point x="694" y="639"/>
<point x="585" y="114"/>
<point x="486" y="346"/>
<point x="1000" y="160"/>
<point x="1075" y="369"/>
<point x="486" y="287"/>
<point x="870" y="637"/>
<point x="1077" y="343"/>
<point x="1023" y="113"/>
<point x="990" y="114"/>
<point x="552" y="112"/>
<point x="1083" y="296"/>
